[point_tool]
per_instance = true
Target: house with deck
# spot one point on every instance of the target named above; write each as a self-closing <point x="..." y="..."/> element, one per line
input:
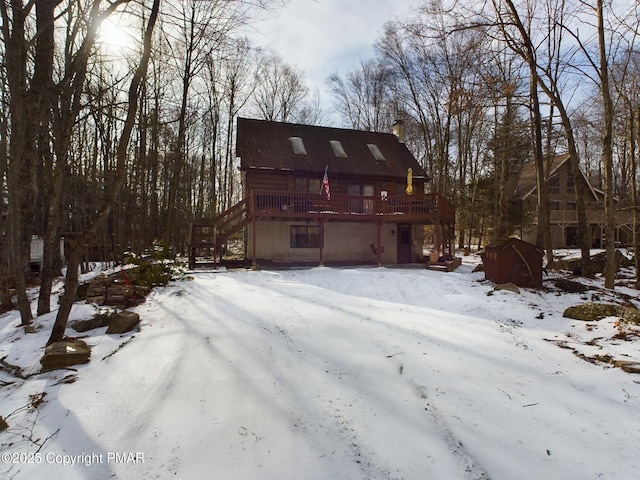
<point x="316" y="195"/>
<point x="562" y="205"/>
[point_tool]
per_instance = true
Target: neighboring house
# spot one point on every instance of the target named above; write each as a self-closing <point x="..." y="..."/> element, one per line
<point x="562" y="206"/>
<point x="37" y="252"/>
<point x="317" y="194"/>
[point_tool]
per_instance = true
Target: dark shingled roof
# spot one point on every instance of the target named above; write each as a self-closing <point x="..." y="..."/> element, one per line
<point x="263" y="144"/>
<point x="526" y="180"/>
<point x="524" y="183"/>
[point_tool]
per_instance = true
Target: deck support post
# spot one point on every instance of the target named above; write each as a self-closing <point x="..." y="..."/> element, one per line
<point x="254" y="230"/>
<point x="192" y="249"/>
<point x="321" y="222"/>
<point x="452" y="233"/>
<point x="215" y="240"/>
<point x="379" y="246"/>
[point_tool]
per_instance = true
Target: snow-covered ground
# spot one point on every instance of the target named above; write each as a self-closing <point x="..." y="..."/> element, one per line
<point x="327" y="373"/>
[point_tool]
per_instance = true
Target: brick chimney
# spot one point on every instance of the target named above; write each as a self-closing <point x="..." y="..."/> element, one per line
<point x="398" y="129"/>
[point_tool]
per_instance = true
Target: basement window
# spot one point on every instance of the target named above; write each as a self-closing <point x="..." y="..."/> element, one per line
<point x="338" y="149"/>
<point x="304" y="236"/>
<point x="375" y="151"/>
<point x="298" y="145"/>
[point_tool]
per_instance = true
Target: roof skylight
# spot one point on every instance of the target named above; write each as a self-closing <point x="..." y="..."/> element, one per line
<point x="338" y="149"/>
<point x="375" y="151"/>
<point x="298" y="145"/>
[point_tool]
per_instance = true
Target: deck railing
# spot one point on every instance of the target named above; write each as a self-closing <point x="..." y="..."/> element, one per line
<point x="594" y="213"/>
<point x="427" y="207"/>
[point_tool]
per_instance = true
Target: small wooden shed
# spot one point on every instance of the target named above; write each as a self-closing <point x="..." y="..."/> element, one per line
<point x="513" y="261"/>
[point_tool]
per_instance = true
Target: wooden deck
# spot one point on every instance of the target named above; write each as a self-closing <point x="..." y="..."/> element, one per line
<point x="595" y="216"/>
<point x="207" y="237"/>
<point x="426" y="209"/>
<point x="445" y="265"/>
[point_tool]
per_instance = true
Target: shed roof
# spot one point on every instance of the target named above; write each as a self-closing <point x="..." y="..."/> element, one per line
<point x="263" y="144"/>
<point x="501" y="244"/>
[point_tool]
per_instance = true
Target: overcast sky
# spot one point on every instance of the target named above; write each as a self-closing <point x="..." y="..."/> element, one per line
<point x="323" y="37"/>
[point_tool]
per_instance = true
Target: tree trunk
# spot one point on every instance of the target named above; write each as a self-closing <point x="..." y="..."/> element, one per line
<point x="20" y="175"/>
<point x="607" y="155"/>
<point x="50" y="267"/>
<point x="68" y="298"/>
<point x="544" y="227"/>
<point x="6" y="302"/>
<point x="634" y="135"/>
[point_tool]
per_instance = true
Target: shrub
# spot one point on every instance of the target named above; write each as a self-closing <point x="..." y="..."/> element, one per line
<point x="151" y="274"/>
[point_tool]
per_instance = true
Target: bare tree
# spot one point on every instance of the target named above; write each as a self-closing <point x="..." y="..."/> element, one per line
<point x="239" y="82"/>
<point x="202" y="27"/>
<point x="626" y="75"/>
<point x="607" y="28"/>
<point x="281" y="92"/>
<point x="71" y="279"/>
<point x="517" y="35"/>
<point x="437" y="79"/>
<point x="27" y="105"/>
<point x="363" y="96"/>
<point x="6" y="302"/>
<point x="442" y="77"/>
<point x="607" y="148"/>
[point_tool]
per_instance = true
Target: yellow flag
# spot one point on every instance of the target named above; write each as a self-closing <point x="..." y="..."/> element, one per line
<point x="409" y="188"/>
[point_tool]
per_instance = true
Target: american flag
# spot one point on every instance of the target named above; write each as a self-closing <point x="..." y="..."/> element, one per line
<point x="325" y="183"/>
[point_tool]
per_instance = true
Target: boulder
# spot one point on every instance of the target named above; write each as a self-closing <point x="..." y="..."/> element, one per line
<point x="591" y="311"/>
<point x="99" y="320"/>
<point x="570" y="286"/>
<point x="628" y="366"/>
<point x="64" y="354"/>
<point x="572" y="264"/>
<point x="510" y="287"/>
<point x="597" y="263"/>
<point x="123" y="322"/>
<point x="630" y="315"/>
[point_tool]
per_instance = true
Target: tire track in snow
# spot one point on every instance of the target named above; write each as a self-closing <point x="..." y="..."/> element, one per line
<point x="336" y="409"/>
<point x="341" y="408"/>
<point x="473" y="471"/>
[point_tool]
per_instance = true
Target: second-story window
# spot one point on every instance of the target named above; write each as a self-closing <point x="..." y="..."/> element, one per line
<point x="308" y="185"/>
<point x="570" y="185"/>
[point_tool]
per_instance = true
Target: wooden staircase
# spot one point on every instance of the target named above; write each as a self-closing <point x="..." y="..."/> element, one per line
<point x="206" y="239"/>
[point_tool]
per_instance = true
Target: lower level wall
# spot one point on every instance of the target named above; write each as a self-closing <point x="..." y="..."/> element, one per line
<point x="562" y="238"/>
<point x="343" y="242"/>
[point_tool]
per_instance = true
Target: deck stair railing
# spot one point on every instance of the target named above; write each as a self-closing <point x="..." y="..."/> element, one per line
<point x="207" y="238"/>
